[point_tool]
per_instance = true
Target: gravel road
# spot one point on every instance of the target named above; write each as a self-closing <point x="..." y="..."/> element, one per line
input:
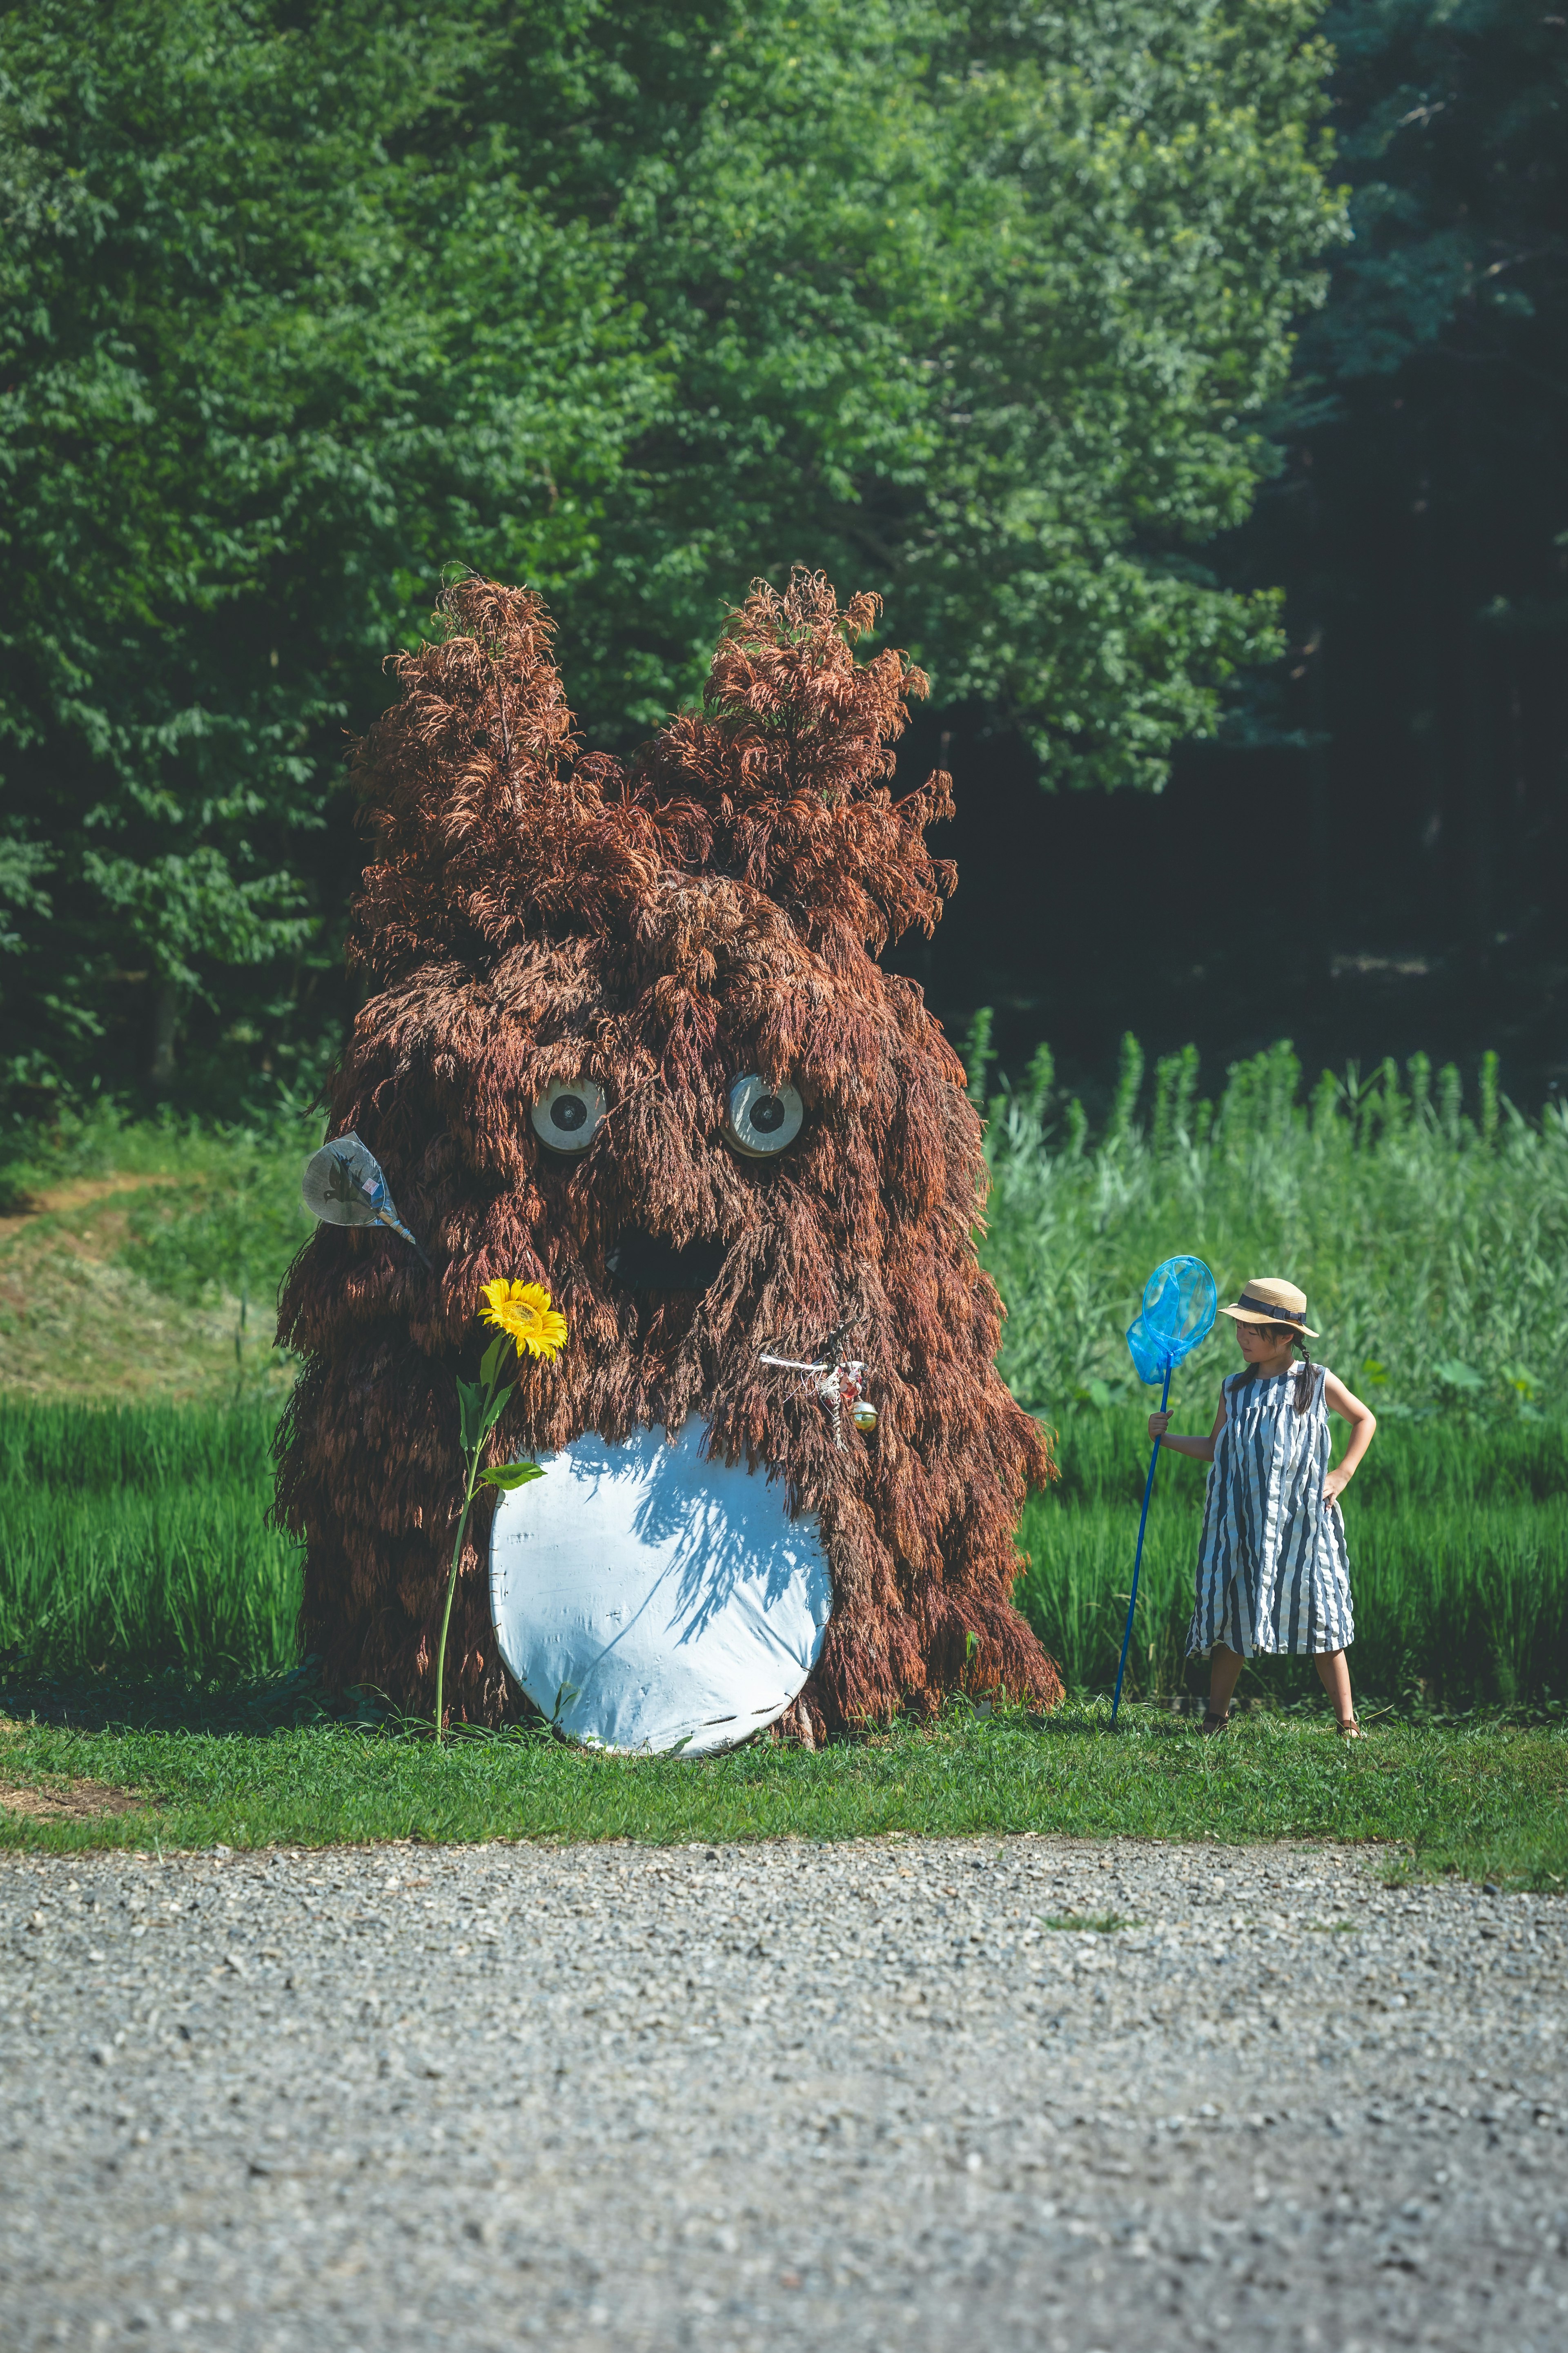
<point x="767" y="2096"/>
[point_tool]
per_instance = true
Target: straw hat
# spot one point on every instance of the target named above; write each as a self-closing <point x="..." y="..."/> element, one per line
<point x="1268" y="1299"/>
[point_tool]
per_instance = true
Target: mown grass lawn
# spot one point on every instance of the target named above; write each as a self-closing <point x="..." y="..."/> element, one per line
<point x="1487" y="1797"/>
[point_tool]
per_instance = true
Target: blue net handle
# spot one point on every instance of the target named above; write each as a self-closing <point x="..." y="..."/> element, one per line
<point x="1180" y="1303"/>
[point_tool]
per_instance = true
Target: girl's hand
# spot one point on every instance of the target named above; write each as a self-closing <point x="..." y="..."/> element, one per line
<point x="1158" y="1423"/>
<point x="1334" y="1486"/>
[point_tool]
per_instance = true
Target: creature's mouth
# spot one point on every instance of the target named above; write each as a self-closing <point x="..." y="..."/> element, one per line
<point x="645" y="1261"/>
<point x="648" y="1597"/>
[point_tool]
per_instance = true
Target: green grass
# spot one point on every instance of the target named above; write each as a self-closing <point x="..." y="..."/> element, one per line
<point x="257" y="1165"/>
<point x="1430" y="1231"/>
<point x="226" y="1225"/>
<point x="1486" y="1800"/>
<point x="143" y="1259"/>
<point x="135" y="1541"/>
<point x="147" y="1612"/>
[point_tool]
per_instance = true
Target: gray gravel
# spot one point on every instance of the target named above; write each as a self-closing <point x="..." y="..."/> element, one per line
<point x="851" y="2096"/>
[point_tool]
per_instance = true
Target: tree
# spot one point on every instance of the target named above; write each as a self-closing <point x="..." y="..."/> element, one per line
<point x="267" y="357"/>
<point x="974" y="305"/>
<point x="304" y="302"/>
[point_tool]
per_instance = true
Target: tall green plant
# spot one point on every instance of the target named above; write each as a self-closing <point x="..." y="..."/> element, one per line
<point x="1457" y="1536"/>
<point x="1432" y="1245"/>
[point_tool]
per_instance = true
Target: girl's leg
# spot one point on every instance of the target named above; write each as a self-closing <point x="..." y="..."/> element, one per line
<point x="1335" y="1677"/>
<point x="1224" y="1666"/>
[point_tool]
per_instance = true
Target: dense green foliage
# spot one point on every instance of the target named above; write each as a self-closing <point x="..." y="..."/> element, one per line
<point x="1486" y="1798"/>
<point x="1432" y="1244"/>
<point x="1451" y="134"/>
<point x="298" y="303"/>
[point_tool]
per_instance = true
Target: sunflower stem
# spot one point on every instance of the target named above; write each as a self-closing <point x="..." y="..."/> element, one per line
<point x="473" y="1463"/>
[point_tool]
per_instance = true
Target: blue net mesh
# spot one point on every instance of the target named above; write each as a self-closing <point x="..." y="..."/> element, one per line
<point x="1178" y="1311"/>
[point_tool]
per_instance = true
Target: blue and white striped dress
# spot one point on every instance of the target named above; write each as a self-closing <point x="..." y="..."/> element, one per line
<point x="1273" y="1570"/>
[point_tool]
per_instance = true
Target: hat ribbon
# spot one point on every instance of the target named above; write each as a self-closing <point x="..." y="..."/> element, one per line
<point x="1267" y="1307"/>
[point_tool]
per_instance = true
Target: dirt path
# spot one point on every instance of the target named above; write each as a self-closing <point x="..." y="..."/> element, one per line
<point x="75" y="1321"/>
<point x="79" y="1193"/>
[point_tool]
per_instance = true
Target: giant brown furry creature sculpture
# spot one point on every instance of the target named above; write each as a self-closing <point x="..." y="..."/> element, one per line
<point x="643" y="933"/>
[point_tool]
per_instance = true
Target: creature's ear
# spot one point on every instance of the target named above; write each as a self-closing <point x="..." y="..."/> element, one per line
<point x="792" y="751"/>
<point x="464" y="784"/>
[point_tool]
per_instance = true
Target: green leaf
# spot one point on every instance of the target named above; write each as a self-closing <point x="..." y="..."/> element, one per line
<point x="508" y="1475"/>
<point x="1458" y="1375"/>
<point x="490" y="1363"/>
<point x="471" y="1411"/>
<point x="495" y="1410"/>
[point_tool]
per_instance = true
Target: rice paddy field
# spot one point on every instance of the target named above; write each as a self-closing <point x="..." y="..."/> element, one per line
<point x="136" y="1543"/>
<point x="138" y="1387"/>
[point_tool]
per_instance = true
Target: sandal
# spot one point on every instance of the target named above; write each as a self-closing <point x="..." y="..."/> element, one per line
<point x="1352" y="1730"/>
<point x="1212" y="1722"/>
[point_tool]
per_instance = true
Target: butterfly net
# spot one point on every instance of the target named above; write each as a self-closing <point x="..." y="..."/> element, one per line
<point x="1179" y="1306"/>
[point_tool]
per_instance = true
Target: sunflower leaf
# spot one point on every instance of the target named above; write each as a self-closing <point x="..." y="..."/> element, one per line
<point x="508" y="1475"/>
<point x="490" y="1363"/>
<point x="494" y="1410"/>
<point x="472" y="1408"/>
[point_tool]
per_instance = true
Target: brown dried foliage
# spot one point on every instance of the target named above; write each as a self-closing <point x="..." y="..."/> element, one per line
<point x="714" y="906"/>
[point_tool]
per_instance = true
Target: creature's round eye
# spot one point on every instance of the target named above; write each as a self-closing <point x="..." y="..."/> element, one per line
<point x="762" y="1119"/>
<point x="568" y="1115"/>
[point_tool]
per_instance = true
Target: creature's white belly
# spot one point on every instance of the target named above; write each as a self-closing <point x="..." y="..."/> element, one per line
<point x="648" y="1599"/>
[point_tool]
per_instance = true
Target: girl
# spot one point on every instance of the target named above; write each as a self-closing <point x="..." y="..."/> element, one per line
<point x="1273" y="1572"/>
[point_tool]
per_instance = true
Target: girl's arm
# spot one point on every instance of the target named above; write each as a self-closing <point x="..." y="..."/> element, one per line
<point x="1363" y="1421"/>
<point x="1199" y="1449"/>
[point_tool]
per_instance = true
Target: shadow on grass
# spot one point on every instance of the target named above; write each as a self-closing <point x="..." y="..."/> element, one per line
<point x="172" y="1702"/>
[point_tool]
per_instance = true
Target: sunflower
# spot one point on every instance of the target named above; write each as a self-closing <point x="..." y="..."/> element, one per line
<point x="524" y="1309"/>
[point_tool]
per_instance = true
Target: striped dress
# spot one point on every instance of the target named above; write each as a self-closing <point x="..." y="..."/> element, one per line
<point x="1273" y="1571"/>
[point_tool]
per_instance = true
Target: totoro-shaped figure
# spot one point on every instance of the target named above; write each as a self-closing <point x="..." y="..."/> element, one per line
<point x="626" y="1035"/>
